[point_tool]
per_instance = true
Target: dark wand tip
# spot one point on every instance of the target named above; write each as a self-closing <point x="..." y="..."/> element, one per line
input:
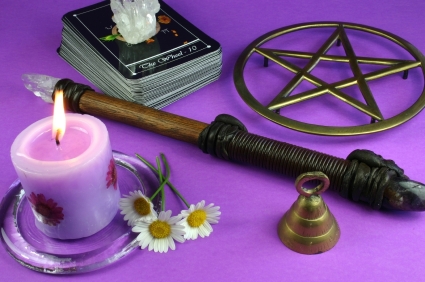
<point x="404" y="194"/>
<point x="381" y="183"/>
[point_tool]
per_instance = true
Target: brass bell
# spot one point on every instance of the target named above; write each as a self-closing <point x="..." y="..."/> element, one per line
<point x="308" y="227"/>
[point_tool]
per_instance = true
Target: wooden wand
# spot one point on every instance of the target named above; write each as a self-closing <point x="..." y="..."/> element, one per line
<point x="364" y="176"/>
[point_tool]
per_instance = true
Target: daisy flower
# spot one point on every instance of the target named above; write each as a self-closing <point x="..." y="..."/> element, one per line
<point x="137" y="206"/>
<point x="197" y="220"/>
<point x="159" y="234"/>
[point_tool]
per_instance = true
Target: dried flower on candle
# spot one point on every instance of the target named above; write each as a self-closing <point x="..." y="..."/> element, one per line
<point x="137" y="207"/>
<point x="159" y="234"/>
<point x="111" y="176"/>
<point x="47" y="211"/>
<point x="198" y="219"/>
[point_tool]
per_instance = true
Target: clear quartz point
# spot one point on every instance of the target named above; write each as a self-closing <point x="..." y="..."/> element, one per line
<point x="41" y="85"/>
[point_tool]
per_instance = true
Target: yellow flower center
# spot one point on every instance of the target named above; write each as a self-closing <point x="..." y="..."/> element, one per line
<point x="160" y="229"/>
<point x="141" y="206"/>
<point x="197" y="218"/>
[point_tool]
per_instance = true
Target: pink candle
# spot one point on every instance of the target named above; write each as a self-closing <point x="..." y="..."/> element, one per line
<point x="72" y="188"/>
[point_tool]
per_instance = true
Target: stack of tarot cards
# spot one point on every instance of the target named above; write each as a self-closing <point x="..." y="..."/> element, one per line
<point x="177" y="61"/>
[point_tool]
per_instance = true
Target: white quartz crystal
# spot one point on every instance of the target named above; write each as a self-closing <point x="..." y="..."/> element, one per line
<point x="41" y="85"/>
<point x="135" y="19"/>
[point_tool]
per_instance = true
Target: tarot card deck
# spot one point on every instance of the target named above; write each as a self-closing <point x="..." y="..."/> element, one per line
<point x="174" y="63"/>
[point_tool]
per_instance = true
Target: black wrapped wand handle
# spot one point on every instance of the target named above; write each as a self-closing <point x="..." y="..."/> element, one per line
<point x="364" y="176"/>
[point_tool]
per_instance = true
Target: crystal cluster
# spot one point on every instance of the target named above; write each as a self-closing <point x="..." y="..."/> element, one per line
<point x="135" y="19"/>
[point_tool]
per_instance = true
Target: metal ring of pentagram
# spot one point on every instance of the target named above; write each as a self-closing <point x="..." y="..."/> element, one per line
<point x="378" y="122"/>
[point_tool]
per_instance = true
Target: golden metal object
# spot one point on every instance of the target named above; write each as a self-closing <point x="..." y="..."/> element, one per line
<point x="284" y="97"/>
<point x="308" y="227"/>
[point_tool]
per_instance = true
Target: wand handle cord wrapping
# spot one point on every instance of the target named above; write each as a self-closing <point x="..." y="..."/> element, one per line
<point x="285" y="158"/>
<point x="228" y="138"/>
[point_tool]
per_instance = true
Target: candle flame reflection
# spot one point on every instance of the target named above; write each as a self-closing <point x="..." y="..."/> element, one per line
<point x="59" y="122"/>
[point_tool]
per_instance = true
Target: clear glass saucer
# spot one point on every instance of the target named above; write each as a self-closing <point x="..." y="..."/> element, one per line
<point x="34" y="250"/>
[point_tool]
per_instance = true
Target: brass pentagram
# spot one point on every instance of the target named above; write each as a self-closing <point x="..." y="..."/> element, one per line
<point x="370" y="108"/>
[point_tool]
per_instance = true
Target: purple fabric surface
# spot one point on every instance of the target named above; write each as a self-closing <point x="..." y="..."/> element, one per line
<point x="374" y="245"/>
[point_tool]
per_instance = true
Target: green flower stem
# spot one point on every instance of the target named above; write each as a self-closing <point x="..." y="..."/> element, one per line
<point x="167" y="167"/>
<point x="147" y="163"/>
<point x="166" y="181"/>
<point x="161" y="187"/>
<point x="158" y="164"/>
<point x="158" y="190"/>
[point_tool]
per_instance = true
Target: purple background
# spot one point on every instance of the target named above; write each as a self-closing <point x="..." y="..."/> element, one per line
<point x="374" y="246"/>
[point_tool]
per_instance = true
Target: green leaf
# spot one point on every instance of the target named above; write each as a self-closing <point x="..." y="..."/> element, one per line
<point x="110" y="37"/>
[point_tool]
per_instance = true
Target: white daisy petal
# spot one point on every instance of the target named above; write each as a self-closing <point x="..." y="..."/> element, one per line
<point x="198" y="205"/>
<point x="174" y="219"/>
<point x="144" y="236"/>
<point x="171" y="243"/>
<point x="146" y="242"/>
<point x="208" y="227"/>
<point x="178" y="238"/>
<point x="202" y="231"/>
<point x="137" y="229"/>
<point x="160" y="245"/>
<point x="142" y="241"/>
<point x="165" y="244"/>
<point x="213" y="209"/>
<point x="193" y="234"/>
<point x="214" y="214"/>
<point x="188" y="235"/>
<point x="212" y="220"/>
<point x="178" y="227"/>
<point x="179" y="232"/>
<point x="161" y="216"/>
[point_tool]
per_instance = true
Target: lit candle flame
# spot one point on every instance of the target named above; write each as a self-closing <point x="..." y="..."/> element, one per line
<point x="59" y="122"/>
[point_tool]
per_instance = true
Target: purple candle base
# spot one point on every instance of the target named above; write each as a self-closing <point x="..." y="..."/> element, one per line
<point x="72" y="189"/>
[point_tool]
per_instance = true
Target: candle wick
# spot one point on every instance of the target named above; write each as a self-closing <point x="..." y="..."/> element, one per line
<point x="57" y="137"/>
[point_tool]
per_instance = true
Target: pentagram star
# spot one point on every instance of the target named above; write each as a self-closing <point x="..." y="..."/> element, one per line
<point x="284" y="97"/>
